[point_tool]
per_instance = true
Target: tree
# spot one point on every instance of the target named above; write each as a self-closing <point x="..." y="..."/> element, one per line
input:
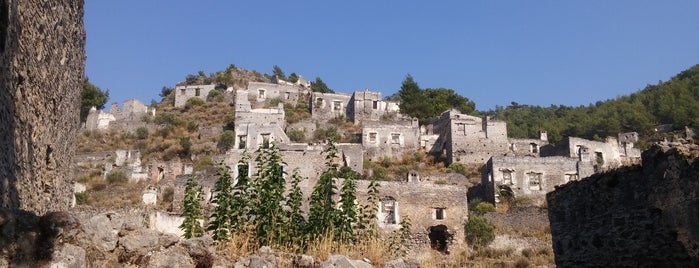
<point x="278" y="72"/>
<point x="413" y="100"/>
<point x="92" y="96"/>
<point x="192" y="209"/>
<point x="320" y="86"/>
<point x="227" y="140"/>
<point x="165" y="91"/>
<point x="293" y="78"/>
<point x="220" y="223"/>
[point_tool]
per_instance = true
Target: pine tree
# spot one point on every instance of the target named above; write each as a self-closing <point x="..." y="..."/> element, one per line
<point x="192" y="209"/>
<point x="220" y="223"/>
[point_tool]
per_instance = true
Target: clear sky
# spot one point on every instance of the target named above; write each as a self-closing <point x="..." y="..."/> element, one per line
<point x="492" y="52"/>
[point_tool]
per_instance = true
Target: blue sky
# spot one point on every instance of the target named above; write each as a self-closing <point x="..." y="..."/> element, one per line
<point x="492" y="52"/>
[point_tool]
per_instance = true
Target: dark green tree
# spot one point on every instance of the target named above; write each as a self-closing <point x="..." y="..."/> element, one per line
<point x="192" y="209"/>
<point x="165" y="91"/>
<point x="92" y="96"/>
<point x="320" y="86"/>
<point x="293" y="78"/>
<point x="277" y="71"/>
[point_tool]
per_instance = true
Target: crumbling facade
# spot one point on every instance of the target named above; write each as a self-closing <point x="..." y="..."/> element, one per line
<point x="129" y="118"/>
<point x="184" y="93"/>
<point x="369" y="106"/>
<point x="468" y="139"/>
<point x="285" y="92"/>
<point x="605" y="155"/>
<point x="390" y="139"/>
<point x="326" y="106"/>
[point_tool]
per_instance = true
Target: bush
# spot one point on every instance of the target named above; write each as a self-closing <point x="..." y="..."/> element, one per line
<point x="458" y="167"/>
<point x="297" y="135"/>
<point x="117" y="176"/>
<point x="81" y="198"/>
<point x="227" y="140"/>
<point x="167" y="118"/>
<point x="191" y="102"/>
<point x="142" y="133"/>
<point x="484" y="207"/>
<point x="479" y="232"/>
<point x="215" y="96"/>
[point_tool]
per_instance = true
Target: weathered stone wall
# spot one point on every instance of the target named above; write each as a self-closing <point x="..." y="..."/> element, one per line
<point x="261" y="92"/>
<point x="325" y="106"/>
<point x="368" y="106"/>
<point x="526" y="147"/>
<point x="631" y="217"/>
<point x="469" y="139"/>
<point x="390" y="139"/>
<point x="184" y="93"/>
<point x="528" y="176"/>
<point x="42" y="63"/>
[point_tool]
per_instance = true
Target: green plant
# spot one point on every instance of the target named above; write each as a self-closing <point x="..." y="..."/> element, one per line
<point x="220" y="221"/>
<point x="214" y="96"/>
<point x="194" y="101"/>
<point x="479" y="231"/>
<point x="297" y="135"/>
<point x="116" y="177"/>
<point x="226" y="140"/>
<point x="484" y="207"/>
<point x="192" y="209"/>
<point x="458" y="167"/>
<point x="81" y="198"/>
<point x="142" y="133"/>
<point x="506" y="194"/>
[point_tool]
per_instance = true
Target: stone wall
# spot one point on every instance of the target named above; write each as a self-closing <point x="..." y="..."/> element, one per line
<point x="326" y="106"/>
<point x="261" y="92"/>
<point x="368" y="106"/>
<point x="631" y="217"/>
<point x="528" y="176"/>
<point x="42" y="58"/>
<point x="184" y="93"/>
<point x="469" y="139"/>
<point x="390" y="139"/>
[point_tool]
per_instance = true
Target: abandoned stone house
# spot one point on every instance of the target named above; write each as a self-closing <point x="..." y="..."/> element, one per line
<point x="184" y="93"/>
<point x="260" y="92"/>
<point x="611" y="153"/>
<point x="390" y="139"/>
<point x="326" y="106"/>
<point x="128" y="118"/>
<point x="126" y="161"/>
<point x="369" y="106"/>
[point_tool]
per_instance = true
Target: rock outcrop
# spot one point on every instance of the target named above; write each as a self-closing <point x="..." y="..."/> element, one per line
<point x="42" y="59"/>
<point x="642" y="216"/>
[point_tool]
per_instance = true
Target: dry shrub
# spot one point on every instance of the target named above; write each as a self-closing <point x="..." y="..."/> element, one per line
<point x="374" y="249"/>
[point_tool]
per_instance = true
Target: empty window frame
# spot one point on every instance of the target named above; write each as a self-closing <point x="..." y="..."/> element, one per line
<point x="373" y="137"/>
<point x="395" y="138"/>
<point x="439" y="213"/>
<point x="260" y="93"/>
<point x="389" y="211"/>
<point x="534" y="181"/>
<point x="337" y="105"/>
<point x="242" y="141"/>
<point x="507" y="176"/>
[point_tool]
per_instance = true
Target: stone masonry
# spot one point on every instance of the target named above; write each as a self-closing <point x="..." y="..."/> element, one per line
<point x="184" y="93"/>
<point x="42" y="62"/>
<point x="640" y="216"/>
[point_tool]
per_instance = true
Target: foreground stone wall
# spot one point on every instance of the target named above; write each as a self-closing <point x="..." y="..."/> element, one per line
<point x="42" y="61"/>
<point x="632" y="217"/>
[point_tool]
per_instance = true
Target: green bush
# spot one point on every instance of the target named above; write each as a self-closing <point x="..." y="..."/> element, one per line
<point x="168" y="118"/>
<point x="215" y="96"/>
<point x="297" y="135"/>
<point x="142" y="133"/>
<point x="191" y="102"/>
<point x="479" y="232"/>
<point x="117" y="176"/>
<point x="227" y="140"/>
<point x="458" y="167"/>
<point x="484" y="207"/>
<point x="81" y="198"/>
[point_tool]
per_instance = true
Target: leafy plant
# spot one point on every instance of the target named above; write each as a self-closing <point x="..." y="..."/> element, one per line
<point x="479" y="231"/>
<point x="193" y="196"/>
<point x="222" y="196"/>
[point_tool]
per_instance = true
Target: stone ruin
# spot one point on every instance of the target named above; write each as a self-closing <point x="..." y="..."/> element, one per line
<point x="129" y="118"/>
<point x="640" y="216"/>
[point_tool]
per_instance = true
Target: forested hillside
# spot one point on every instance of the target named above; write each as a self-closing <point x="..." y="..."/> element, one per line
<point x="673" y="102"/>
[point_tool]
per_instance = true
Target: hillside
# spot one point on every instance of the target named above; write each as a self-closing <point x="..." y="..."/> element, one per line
<point x="674" y="102"/>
